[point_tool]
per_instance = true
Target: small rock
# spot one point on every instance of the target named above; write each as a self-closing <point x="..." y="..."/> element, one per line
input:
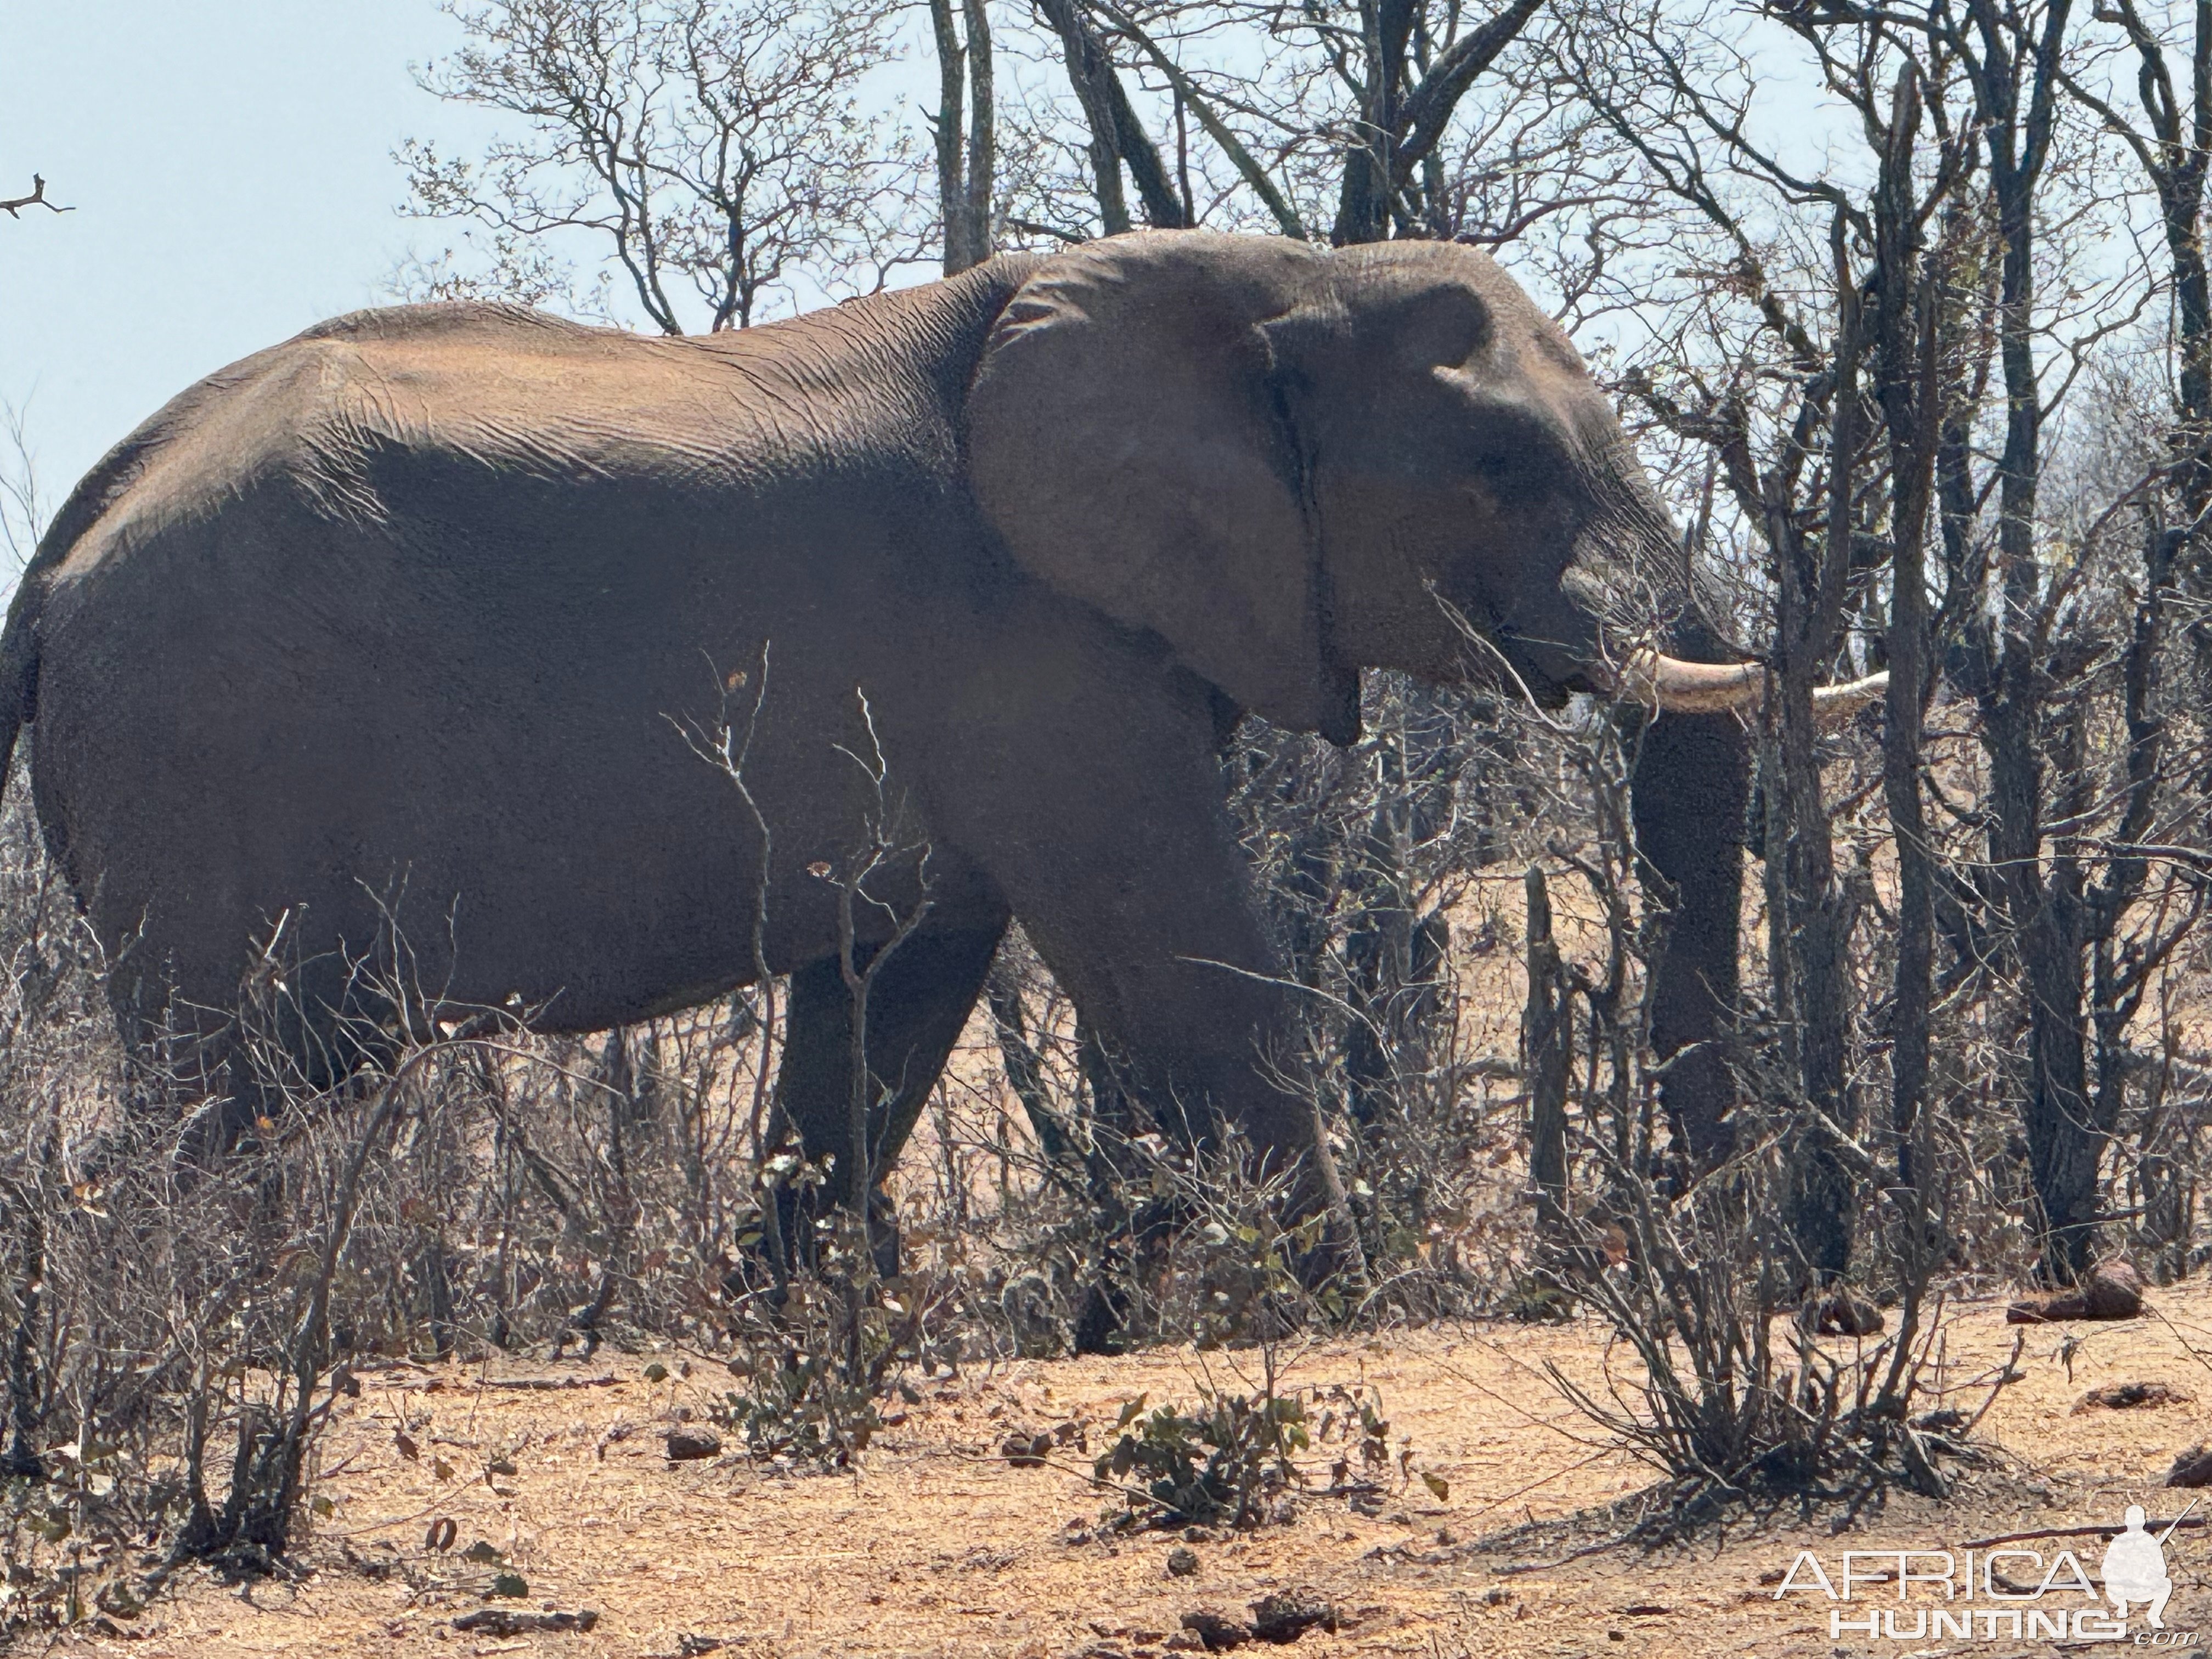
<point x="2192" y="1468"/>
<point x="1217" y="1632"/>
<point x="688" y="1445"/>
<point x="1616" y="1636"/>
<point x="1200" y="1536"/>
<point x="1025" y="1451"/>
<point x="2127" y="1396"/>
<point x="1286" y="1615"/>
<point x="1181" y="1562"/>
<point x="2112" y="1291"/>
<point x="1185" y="1641"/>
<point x="512" y="1621"/>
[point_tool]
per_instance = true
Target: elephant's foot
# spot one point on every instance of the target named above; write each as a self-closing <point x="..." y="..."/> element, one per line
<point x="1337" y="1262"/>
<point x="1319" y="1210"/>
<point x="883" y="1234"/>
<point x="1103" y="1325"/>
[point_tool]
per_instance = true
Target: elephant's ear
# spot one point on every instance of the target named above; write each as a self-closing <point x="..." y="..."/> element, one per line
<point x="1127" y="438"/>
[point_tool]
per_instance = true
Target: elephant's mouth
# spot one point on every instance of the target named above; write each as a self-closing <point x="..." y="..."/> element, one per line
<point x="1675" y="687"/>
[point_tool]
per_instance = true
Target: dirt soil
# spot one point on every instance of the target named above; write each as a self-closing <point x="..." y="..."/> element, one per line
<point x="937" y="1545"/>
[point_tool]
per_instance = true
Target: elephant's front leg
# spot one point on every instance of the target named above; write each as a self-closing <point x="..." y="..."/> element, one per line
<point x="1693" y="779"/>
<point x="1113" y="842"/>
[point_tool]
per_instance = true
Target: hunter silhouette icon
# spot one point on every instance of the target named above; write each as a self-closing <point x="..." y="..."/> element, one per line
<point x="2135" y="1569"/>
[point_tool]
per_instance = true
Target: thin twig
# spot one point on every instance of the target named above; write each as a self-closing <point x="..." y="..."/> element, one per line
<point x="36" y="198"/>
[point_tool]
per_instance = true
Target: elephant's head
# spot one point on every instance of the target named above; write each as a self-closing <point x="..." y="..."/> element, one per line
<point x="1291" y="464"/>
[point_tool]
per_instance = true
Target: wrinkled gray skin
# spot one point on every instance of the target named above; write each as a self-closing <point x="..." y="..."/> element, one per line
<point x="401" y="618"/>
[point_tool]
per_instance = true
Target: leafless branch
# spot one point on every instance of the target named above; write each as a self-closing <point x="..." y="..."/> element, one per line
<point x="37" y="198"/>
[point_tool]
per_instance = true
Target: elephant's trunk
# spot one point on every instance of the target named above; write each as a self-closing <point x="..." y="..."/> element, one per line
<point x="1629" y="552"/>
<point x="1676" y="687"/>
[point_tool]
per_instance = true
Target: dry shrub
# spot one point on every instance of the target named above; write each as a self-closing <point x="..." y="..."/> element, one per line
<point x="1739" y="1391"/>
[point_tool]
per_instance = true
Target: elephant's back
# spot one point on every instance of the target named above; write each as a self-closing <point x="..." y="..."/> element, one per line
<point x="498" y="387"/>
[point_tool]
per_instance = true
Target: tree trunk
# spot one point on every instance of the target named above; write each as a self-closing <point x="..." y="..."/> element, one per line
<point x="947" y="128"/>
<point x="982" y="133"/>
<point x="1090" y="73"/>
<point x="2044" y="920"/>
<point x="1905" y="323"/>
<point x="1810" y="953"/>
<point x="965" y="131"/>
<point x="1547" y="1041"/>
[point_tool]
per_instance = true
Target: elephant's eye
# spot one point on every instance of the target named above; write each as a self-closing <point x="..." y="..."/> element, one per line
<point x="1522" y="479"/>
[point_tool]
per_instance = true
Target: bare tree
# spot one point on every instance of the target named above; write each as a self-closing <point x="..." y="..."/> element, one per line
<point x="724" y="147"/>
<point x="1118" y="139"/>
<point x="965" y="128"/>
<point x="1873" y="358"/>
<point x="1324" y="121"/>
<point x="2169" y="136"/>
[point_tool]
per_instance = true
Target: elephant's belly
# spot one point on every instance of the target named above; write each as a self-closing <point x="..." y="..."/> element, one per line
<point x="585" y="901"/>
<point x="572" y="856"/>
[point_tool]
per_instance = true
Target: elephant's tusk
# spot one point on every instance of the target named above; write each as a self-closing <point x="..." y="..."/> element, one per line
<point x="1676" y="687"/>
<point x="1834" y="702"/>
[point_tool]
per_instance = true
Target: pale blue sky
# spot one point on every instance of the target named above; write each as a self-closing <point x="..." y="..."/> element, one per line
<point x="230" y="161"/>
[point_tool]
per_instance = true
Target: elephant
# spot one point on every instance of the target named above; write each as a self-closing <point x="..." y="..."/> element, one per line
<point x="414" y="623"/>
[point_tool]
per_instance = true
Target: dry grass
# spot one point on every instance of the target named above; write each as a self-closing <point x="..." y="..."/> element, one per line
<point x="936" y="1545"/>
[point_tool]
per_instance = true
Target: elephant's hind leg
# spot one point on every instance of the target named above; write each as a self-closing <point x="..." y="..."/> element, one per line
<point x="918" y="1004"/>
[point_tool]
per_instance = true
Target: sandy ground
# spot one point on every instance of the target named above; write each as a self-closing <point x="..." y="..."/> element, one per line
<point x="936" y="1545"/>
